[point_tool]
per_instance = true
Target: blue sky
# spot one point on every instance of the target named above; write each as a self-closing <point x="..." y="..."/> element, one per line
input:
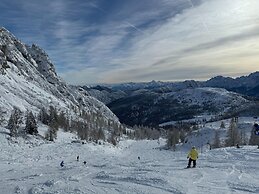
<point x="111" y="41"/>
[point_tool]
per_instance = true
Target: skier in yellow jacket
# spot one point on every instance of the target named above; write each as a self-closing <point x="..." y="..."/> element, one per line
<point x="193" y="156"/>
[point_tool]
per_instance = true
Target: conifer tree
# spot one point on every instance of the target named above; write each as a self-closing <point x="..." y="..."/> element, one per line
<point x="62" y="120"/>
<point x="53" y="114"/>
<point x="173" y="138"/>
<point x="243" y="138"/>
<point x="233" y="136"/>
<point x="31" y="125"/>
<point x="43" y="116"/>
<point x="14" y="121"/>
<point x="216" y="143"/>
<point x="51" y="134"/>
<point x="82" y="130"/>
<point x="112" y="139"/>
<point x="100" y="134"/>
<point x="1" y="117"/>
<point x="222" y="125"/>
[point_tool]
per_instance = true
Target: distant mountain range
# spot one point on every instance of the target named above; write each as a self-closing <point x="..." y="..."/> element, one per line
<point x="29" y="82"/>
<point x="157" y="102"/>
<point x="247" y="85"/>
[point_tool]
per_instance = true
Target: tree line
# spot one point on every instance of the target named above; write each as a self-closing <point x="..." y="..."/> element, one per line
<point x="235" y="137"/>
<point x="88" y="126"/>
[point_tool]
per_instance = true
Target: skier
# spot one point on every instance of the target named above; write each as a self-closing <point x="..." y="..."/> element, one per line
<point x="84" y="162"/>
<point x="256" y="129"/>
<point x="62" y="163"/>
<point x="77" y="158"/>
<point x="193" y="156"/>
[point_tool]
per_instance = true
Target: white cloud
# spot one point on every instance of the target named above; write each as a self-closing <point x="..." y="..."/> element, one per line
<point x="165" y="46"/>
<point x="142" y="41"/>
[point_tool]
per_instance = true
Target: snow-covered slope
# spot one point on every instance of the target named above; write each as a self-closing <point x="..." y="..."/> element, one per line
<point x="33" y="168"/>
<point x="29" y="81"/>
<point x="149" y="107"/>
<point x="206" y="134"/>
<point x="218" y="98"/>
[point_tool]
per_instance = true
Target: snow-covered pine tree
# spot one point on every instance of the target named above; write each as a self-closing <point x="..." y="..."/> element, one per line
<point x="173" y="138"/>
<point x="1" y="118"/>
<point x="222" y="125"/>
<point x="100" y="134"/>
<point x="51" y="134"/>
<point x="233" y="136"/>
<point x="53" y="114"/>
<point x="243" y="138"/>
<point x="31" y="125"/>
<point x="63" y="121"/>
<point x="216" y="143"/>
<point x="14" y="121"/>
<point x="43" y="116"/>
<point x="82" y="129"/>
<point x="112" y="139"/>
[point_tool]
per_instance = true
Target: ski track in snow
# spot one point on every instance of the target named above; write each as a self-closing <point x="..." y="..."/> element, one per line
<point x="36" y="170"/>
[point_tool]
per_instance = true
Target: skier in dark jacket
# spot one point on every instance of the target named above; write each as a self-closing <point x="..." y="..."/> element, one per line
<point x="62" y="163"/>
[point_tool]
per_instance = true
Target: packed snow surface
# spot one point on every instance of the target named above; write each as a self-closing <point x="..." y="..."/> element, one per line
<point x="32" y="166"/>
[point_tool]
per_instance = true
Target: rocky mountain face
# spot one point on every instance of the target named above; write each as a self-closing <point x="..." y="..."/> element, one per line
<point x="28" y="81"/>
<point x="247" y="85"/>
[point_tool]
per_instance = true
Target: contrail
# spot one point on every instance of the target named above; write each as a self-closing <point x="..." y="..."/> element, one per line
<point x="96" y="7"/>
<point x="131" y="25"/>
<point x="126" y="22"/>
<point x="202" y="21"/>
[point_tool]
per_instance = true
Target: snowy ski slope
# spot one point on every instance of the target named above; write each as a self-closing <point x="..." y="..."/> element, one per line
<point x="33" y="168"/>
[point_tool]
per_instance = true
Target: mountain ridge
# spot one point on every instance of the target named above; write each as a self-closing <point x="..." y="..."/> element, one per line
<point x="138" y="103"/>
<point x="29" y="82"/>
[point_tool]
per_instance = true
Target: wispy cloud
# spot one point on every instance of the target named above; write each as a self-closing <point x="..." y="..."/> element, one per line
<point x="117" y="41"/>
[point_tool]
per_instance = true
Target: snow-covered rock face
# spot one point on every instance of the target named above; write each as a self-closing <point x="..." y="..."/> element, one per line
<point x="28" y="80"/>
<point x="45" y="66"/>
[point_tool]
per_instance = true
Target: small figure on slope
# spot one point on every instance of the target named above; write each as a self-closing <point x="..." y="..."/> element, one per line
<point x="193" y="156"/>
<point x="62" y="163"/>
<point x="256" y="129"/>
<point x="77" y="158"/>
